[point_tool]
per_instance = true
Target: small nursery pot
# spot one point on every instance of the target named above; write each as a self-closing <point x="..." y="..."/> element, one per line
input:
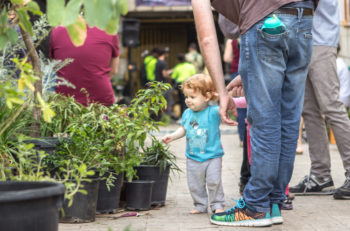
<point x="139" y="194"/>
<point x="160" y="178"/>
<point x="83" y="208"/>
<point x="108" y="200"/>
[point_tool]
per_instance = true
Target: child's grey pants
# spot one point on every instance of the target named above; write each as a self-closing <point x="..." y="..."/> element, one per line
<point x="202" y="176"/>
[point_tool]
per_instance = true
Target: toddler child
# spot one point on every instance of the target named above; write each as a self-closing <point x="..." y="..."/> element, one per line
<point x="200" y="124"/>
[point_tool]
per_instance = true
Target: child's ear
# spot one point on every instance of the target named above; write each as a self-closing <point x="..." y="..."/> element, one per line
<point x="208" y="96"/>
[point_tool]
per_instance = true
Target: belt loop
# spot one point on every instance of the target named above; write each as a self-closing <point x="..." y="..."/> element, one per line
<point x="300" y="13"/>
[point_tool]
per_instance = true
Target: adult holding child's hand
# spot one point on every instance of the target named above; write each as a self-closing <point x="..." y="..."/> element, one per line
<point x="235" y="87"/>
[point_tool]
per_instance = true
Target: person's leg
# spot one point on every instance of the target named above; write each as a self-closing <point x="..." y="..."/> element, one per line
<point x="170" y="102"/>
<point x="299" y="55"/>
<point x="196" y="183"/>
<point x="321" y="98"/>
<point x="245" y="167"/>
<point x="264" y="62"/>
<point x="326" y="85"/>
<point x="300" y="138"/>
<point x="315" y="125"/>
<point x="242" y="114"/>
<point x="259" y="68"/>
<point x="214" y="185"/>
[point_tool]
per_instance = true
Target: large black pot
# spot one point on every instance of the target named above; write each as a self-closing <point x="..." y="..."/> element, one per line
<point x="108" y="200"/>
<point x="83" y="208"/>
<point x="160" y="178"/>
<point x="30" y="205"/>
<point x="138" y="194"/>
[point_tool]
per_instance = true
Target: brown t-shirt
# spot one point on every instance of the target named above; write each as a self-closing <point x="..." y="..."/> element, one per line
<point x="246" y="13"/>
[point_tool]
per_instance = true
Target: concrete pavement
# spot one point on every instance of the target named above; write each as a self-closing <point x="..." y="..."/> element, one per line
<point x="311" y="213"/>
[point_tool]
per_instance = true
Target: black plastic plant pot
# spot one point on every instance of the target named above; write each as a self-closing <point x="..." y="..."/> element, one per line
<point x="139" y="194"/>
<point x="108" y="200"/>
<point x="83" y="208"/>
<point x="47" y="144"/>
<point x="160" y="178"/>
<point x="30" y="205"/>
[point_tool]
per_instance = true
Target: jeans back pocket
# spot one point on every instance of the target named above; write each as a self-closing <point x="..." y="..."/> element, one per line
<point x="269" y="46"/>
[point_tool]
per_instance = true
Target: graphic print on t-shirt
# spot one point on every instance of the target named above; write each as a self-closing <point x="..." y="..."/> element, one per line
<point x="197" y="138"/>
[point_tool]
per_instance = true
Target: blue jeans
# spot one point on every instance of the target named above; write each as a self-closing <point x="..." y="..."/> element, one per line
<point x="274" y="70"/>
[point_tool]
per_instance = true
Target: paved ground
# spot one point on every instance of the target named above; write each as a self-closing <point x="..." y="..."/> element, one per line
<point x="310" y="213"/>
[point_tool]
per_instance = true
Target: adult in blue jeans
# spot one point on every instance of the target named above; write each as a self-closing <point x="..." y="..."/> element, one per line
<point x="273" y="70"/>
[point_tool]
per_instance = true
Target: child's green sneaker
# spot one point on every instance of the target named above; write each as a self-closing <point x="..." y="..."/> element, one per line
<point x="276" y="216"/>
<point x="241" y="215"/>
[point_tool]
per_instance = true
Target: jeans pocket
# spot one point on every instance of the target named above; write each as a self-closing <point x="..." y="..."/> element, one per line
<point x="269" y="45"/>
<point x="306" y="33"/>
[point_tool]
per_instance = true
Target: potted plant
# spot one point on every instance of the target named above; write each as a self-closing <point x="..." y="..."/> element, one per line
<point x="124" y="130"/>
<point x="156" y="164"/>
<point x="24" y="185"/>
<point x="26" y="91"/>
<point x="83" y="146"/>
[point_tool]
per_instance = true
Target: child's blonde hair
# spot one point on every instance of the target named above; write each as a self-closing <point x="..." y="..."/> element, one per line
<point x="201" y="83"/>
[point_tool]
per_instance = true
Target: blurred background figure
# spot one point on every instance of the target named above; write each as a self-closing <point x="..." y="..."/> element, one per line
<point x="163" y="75"/>
<point x="94" y="63"/>
<point x="194" y="57"/>
<point x="148" y="68"/>
<point x="182" y="71"/>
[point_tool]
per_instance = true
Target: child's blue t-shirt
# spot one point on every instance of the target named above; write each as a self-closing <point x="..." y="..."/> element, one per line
<point x="202" y="133"/>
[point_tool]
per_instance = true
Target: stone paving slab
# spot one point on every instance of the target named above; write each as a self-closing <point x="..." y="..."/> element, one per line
<point x="311" y="213"/>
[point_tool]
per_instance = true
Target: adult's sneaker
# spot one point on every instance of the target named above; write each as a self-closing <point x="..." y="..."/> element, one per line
<point x="344" y="191"/>
<point x="241" y="215"/>
<point x="276" y="216"/>
<point x="312" y="185"/>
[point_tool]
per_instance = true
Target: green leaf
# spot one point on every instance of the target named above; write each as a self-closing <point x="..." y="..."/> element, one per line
<point x="112" y="26"/>
<point x="107" y="142"/>
<point x="123" y="7"/>
<point x="17" y="1"/>
<point x="83" y="191"/>
<point x="77" y="32"/>
<point x="72" y="12"/>
<point x="90" y="173"/>
<point x="105" y="11"/>
<point x="89" y="6"/>
<point x="55" y="12"/>
<point x="34" y="8"/>
<point x="24" y="21"/>
<point x="3" y="41"/>
<point x="12" y="35"/>
<point x="3" y="19"/>
<point x="98" y="13"/>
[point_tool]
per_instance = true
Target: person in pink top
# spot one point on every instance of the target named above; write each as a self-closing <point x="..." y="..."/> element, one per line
<point x="94" y="63"/>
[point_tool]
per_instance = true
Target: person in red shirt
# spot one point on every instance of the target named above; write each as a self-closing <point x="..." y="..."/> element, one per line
<point x="94" y="63"/>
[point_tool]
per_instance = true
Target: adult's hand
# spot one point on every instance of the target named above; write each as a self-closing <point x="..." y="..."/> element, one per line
<point x="226" y="105"/>
<point x="235" y="87"/>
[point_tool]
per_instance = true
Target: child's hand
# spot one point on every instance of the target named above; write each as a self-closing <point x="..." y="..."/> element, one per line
<point x="167" y="139"/>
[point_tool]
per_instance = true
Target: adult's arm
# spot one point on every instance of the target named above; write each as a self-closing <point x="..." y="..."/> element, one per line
<point x="114" y="66"/>
<point x="208" y="43"/>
